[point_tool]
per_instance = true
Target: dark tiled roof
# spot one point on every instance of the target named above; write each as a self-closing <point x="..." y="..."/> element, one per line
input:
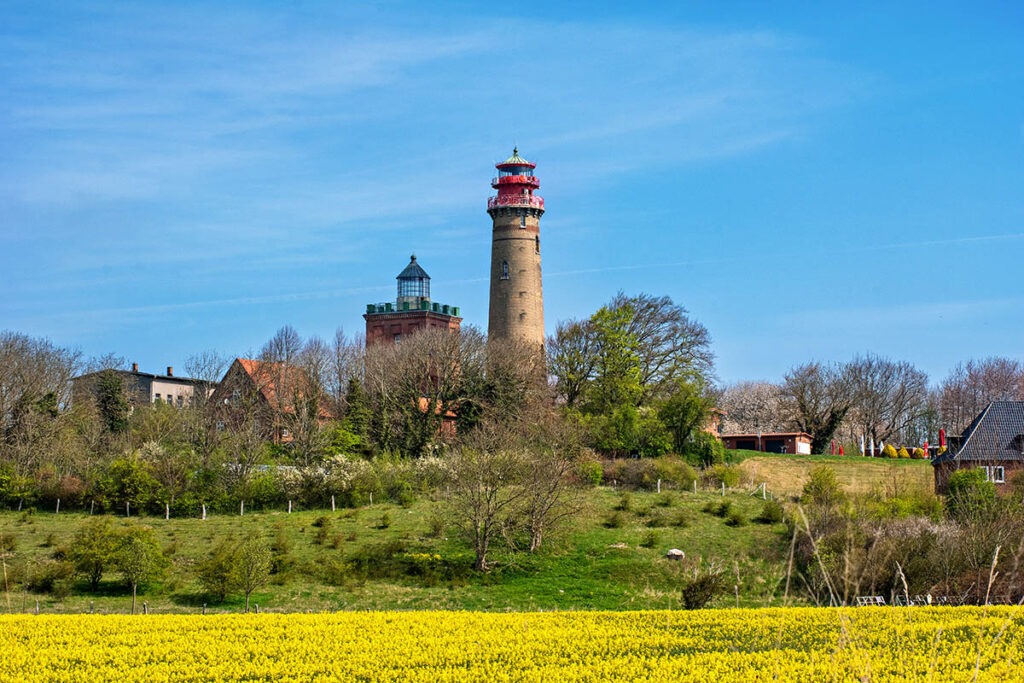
<point x="413" y="271"/>
<point x="996" y="434"/>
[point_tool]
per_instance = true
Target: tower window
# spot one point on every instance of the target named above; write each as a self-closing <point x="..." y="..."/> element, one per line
<point x="522" y="221"/>
<point x="504" y="270"/>
<point x="536" y="244"/>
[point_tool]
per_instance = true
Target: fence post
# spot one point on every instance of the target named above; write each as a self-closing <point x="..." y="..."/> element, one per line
<point x="659" y="486"/>
<point x="241" y="508"/>
<point x="723" y="488"/>
<point x="695" y="486"/>
<point x="332" y="503"/>
<point x="127" y="509"/>
<point x="204" y="608"/>
<point x="145" y="608"/>
<point x="58" y="507"/>
<point x="92" y="504"/>
<point x="167" y="510"/>
<point x="204" y="510"/>
<point x="289" y="507"/>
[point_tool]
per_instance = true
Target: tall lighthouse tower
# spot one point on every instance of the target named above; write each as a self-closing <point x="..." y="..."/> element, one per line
<point x="517" y="298"/>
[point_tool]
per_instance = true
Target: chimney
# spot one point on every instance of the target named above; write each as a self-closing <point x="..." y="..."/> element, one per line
<point x="135" y="367"/>
<point x="170" y="371"/>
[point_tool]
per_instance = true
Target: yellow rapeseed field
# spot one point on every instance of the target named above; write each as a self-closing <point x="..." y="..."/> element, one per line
<point x="789" y="644"/>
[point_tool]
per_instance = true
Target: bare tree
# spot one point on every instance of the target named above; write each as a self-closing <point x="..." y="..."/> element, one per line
<point x="889" y="397"/>
<point x="973" y="385"/>
<point x="208" y="367"/>
<point x="415" y="386"/>
<point x="486" y="491"/>
<point x="35" y="386"/>
<point x="816" y="398"/>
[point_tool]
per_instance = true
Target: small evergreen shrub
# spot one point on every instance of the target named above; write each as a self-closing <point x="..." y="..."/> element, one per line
<point x="772" y="512"/>
<point x="650" y="539"/>
<point x="702" y="588"/>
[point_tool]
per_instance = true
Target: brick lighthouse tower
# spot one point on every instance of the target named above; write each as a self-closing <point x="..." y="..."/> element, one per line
<point x="517" y="298"/>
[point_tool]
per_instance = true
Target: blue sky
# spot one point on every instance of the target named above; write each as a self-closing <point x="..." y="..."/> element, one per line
<point x="810" y="180"/>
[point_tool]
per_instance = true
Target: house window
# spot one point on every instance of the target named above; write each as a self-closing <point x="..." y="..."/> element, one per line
<point x="504" y="270"/>
<point x="398" y="338"/>
<point x="236" y="396"/>
<point x="170" y="400"/>
<point x="181" y="401"/>
<point x="995" y="474"/>
<point x="285" y="433"/>
<point x="156" y="398"/>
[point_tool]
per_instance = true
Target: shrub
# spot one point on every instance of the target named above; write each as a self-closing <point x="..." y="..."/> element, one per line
<point x="217" y="572"/>
<point x="625" y="503"/>
<point x="657" y="518"/>
<point x="650" y="539"/>
<point x="666" y="500"/>
<point x="903" y="452"/>
<point x="682" y="519"/>
<point x="705" y="449"/>
<point x="889" y="451"/>
<point x="336" y="572"/>
<point x="822" y="488"/>
<point x="590" y="471"/>
<point x="324" y="527"/>
<point x="614" y="521"/>
<point x="716" y="475"/>
<point x="633" y="473"/>
<point x="435" y="525"/>
<point x="50" y="576"/>
<point x="674" y="470"/>
<point x="772" y="512"/>
<point x="281" y="551"/>
<point x="919" y="454"/>
<point x="736" y="518"/>
<point x="969" y="493"/>
<point x="385" y="521"/>
<point x="702" y="588"/>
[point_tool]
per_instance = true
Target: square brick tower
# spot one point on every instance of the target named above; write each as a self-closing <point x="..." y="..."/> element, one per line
<point x="517" y="298"/>
<point x="388" y="323"/>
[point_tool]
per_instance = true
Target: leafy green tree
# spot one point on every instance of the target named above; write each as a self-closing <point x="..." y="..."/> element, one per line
<point x="139" y="558"/>
<point x="617" y="377"/>
<point x="685" y="413"/>
<point x="217" y="572"/>
<point x="94" y="549"/>
<point x="253" y="561"/>
<point x="112" y="402"/>
<point x="127" y="480"/>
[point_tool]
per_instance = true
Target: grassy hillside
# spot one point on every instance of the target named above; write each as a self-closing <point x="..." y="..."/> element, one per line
<point x="388" y="557"/>
<point x="785" y="475"/>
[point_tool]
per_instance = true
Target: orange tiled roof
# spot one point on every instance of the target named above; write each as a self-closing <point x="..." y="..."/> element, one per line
<point x="292" y="378"/>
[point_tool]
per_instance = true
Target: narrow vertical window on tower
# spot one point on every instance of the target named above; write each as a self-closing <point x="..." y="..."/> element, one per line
<point x="536" y="244"/>
<point x="504" y="270"/>
<point x="522" y="221"/>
